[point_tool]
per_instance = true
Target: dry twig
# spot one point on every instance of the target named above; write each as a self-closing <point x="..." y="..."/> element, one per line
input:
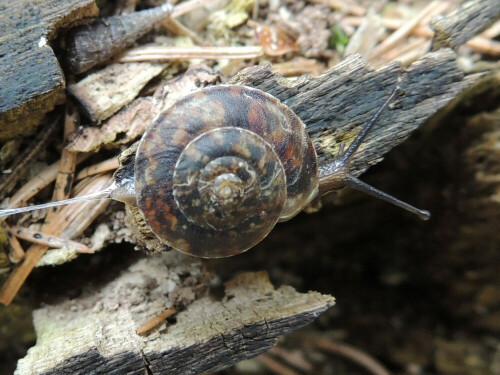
<point x="64" y="179"/>
<point x="159" y="53"/>
<point x="296" y="360"/>
<point x="409" y="46"/>
<point x="484" y="45"/>
<point x="54" y="227"/>
<point x="37" y="183"/>
<point x="48" y="240"/>
<point x="403" y="31"/>
<point x="104" y="166"/>
<point x="274" y="365"/>
<point x="188" y="6"/>
<point x="492" y="32"/>
<point x="85" y="218"/>
<point x="355" y="355"/>
<point x="298" y="67"/>
<point x="152" y="323"/>
<point x="343" y="6"/>
<point x="408" y="56"/>
<point x="175" y="27"/>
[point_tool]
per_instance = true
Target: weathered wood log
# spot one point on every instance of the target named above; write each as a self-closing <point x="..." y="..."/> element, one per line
<point x="96" y="333"/>
<point x="31" y="80"/>
<point x="440" y="83"/>
<point x="464" y="23"/>
<point x="332" y="105"/>
<point x="337" y="104"/>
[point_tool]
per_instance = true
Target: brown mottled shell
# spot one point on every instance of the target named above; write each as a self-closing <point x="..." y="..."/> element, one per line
<point x="216" y="171"/>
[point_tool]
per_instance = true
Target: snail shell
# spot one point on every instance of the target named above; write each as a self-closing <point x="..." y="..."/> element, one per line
<point x="216" y="171"/>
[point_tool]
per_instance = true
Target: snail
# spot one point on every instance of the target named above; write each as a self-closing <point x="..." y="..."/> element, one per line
<point x="216" y="171"/>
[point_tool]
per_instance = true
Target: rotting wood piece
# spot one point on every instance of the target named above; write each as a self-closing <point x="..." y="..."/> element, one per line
<point x="97" y="42"/>
<point x="106" y="91"/>
<point x="31" y="80"/>
<point x="463" y="24"/>
<point x="428" y="85"/>
<point x="94" y="43"/>
<point x="336" y="104"/>
<point x="132" y="121"/>
<point x="96" y="333"/>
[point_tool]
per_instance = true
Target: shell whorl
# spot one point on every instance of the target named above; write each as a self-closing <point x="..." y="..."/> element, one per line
<point x="217" y="170"/>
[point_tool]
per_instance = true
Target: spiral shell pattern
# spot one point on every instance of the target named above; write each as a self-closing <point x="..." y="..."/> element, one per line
<point x="217" y="170"/>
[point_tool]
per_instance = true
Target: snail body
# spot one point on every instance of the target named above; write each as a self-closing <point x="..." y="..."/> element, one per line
<point x="215" y="172"/>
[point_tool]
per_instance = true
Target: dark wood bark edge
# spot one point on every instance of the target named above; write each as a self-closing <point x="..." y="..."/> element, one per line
<point x="464" y="23"/>
<point x="96" y="333"/>
<point x="32" y="81"/>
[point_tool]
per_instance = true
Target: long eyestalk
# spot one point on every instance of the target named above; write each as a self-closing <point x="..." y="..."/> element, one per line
<point x="353" y="147"/>
<point x="336" y="175"/>
<point x="103" y="194"/>
<point x="357" y="184"/>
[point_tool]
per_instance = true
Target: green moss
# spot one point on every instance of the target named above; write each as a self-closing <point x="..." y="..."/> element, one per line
<point x="339" y="39"/>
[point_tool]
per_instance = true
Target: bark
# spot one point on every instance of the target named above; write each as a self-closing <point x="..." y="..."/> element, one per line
<point x="32" y="81"/>
<point x="96" y="333"/>
<point x="463" y="24"/>
<point x="338" y="103"/>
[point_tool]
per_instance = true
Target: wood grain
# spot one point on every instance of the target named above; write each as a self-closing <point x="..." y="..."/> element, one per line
<point x="464" y="23"/>
<point x="96" y="333"/>
<point x="338" y="103"/>
<point x="31" y="79"/>
<point x="105" y="92"/>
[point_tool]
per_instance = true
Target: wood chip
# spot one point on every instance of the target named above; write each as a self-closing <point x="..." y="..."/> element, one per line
<point x="207" y="335"/>
<point x="132" y="122"/>
<point x="152" y="323"/>
<point x="106" y="91"/>
<point x="464" y="23"/>
<point x="48" y="240"/>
